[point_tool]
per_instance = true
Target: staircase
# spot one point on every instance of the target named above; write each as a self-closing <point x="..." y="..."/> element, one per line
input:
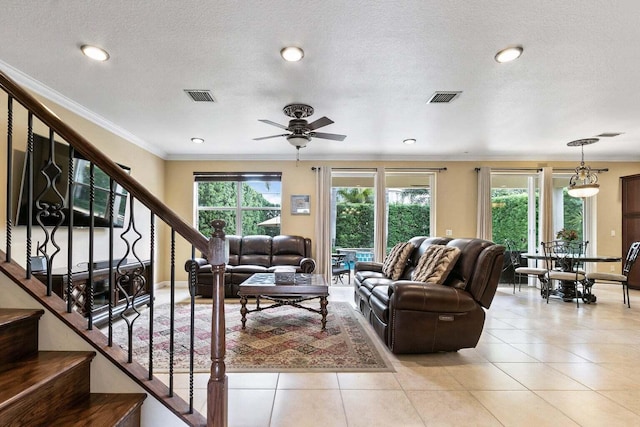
<point x="52" y="388"/>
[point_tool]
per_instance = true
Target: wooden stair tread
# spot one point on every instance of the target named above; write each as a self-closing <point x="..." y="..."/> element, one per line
<point x="11" y="315"/>
<point x="19" y="378"/>
<point x="100" y="409"/>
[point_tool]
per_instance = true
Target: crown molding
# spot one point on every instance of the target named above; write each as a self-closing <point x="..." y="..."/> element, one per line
<point x="41" y="89"/>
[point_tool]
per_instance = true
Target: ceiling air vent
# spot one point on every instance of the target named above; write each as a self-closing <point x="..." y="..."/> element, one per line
<point x="443" y="97"/>
<point x="200" y="95"/>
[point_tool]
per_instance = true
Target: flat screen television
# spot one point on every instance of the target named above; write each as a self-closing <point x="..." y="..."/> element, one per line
<point x="80" y="196"/>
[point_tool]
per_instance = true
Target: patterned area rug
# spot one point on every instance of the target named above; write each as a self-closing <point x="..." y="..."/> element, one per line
<point x="283" y="339"/>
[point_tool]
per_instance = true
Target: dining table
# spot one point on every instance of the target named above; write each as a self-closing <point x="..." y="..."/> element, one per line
<point x="566" y="291"/>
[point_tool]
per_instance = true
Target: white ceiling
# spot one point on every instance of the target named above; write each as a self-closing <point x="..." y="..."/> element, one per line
<point x="369" y="65"/>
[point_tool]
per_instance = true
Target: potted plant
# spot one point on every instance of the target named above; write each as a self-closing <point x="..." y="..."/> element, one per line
<point x="567" y="235"/>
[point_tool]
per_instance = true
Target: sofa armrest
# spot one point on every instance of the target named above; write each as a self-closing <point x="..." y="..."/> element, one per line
<point x="368" y="266"/>
<point x="307" y="265"/>
<point x="202" y="265"/>
<point x="419" y="296"/>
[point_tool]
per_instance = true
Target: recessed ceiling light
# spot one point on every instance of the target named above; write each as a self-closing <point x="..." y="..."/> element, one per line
<point x="197" y="140"/>
<point x="509" y="54"/>
<point x="94" y="52"/>
<point x="292" y="53"/>
<point x="409" y="141"/>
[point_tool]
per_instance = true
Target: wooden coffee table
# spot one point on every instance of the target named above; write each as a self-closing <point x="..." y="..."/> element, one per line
<point x="304" y="287"/>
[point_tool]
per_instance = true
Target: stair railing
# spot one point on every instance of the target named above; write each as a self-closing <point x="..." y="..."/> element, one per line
<point x="130" y="278"/>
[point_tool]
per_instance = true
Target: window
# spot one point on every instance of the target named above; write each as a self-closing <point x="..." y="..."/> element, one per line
<point x="250" y="203"/>
<point x="514" y="212"/>
<point x="408" y="205"/>
<point x="568" y="212"/>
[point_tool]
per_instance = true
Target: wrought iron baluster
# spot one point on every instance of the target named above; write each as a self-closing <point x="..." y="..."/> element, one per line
<point x="29" y="190"/>
<point x="112" y="302"/>
<point x="90" y="286"/>
<point x="9" y="176"/>
<point x="172" y="313"/>
<point x="192" y="293"/>
<point x="191" y="339"/>
<point x="50" y="210"/>
<point x="151" y="292"/>
<point x="71" y="189"/>
<point x="132" y="276"/>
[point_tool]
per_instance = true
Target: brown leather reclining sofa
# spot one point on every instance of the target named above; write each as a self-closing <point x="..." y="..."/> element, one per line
<point x="255" y="254"/>
<point x="418" y="317"/>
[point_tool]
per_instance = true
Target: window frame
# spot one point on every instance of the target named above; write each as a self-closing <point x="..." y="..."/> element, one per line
<point x="238" y="209"/>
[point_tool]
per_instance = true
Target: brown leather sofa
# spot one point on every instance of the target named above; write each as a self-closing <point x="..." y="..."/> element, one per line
<point x="255" y="254"/>
<point x="417" y="317"/>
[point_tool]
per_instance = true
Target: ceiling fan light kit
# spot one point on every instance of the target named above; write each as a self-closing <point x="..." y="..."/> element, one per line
<point x="300" y="130"/>
<point x="298" y="141"/>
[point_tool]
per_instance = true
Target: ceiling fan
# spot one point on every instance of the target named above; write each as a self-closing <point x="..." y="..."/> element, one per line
<point x="300" y="130"/>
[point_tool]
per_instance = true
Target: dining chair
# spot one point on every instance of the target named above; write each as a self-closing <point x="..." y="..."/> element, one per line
<point x="564" y="263"/>
<point x="630" y="259"/>
<point x="519" y="271"/>
<point x="339" y="267"/>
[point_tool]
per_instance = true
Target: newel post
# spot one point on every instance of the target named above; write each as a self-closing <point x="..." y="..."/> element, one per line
<point x="217" y="391"/>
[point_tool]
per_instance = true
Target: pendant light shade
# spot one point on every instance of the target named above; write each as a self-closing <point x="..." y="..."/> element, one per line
<point x="584" y="183"/>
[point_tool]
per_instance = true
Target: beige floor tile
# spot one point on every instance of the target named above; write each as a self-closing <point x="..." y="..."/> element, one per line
<point x="600" y="353"/>
<point x="308" y="380"/>
<point x="549" y="353"/>
<point x="595" y="377"/>
<point x="309" y="408"/>
<point x="630" y="399"/>
<point x="522" y="408"/>
<point x="538" y="376"/>
<point x="451" y="408"/>
<point x="503" y="353"/>
<point x="255" y="380"/>
<point x="492" y="323"/>
<point x="367" y="381"/>
<point x="624" y="369"/>
<point x="250" y="408"/>
<point x="484" y="376"/>
<point x="391" y="408"/>
<point x="589" y="408"/>
<point x="464" y="387"/>
<point x="433" y="359"/>
<point x="426" y="378"/>
<point x="466" y="356"/>
<point x="515" y="336"/>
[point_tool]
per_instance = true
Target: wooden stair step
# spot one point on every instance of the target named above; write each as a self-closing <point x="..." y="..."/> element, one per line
<point x="18" y="334"/>
<point x="42" y="386"/>
<point x="102" y="409"/>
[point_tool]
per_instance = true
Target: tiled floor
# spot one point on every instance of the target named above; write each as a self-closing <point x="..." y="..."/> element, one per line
<point x="536" y="364"/>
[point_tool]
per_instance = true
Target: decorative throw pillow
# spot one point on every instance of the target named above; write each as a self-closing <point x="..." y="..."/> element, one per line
<point x="435" y="264"/>
<point x="396" y="261"/>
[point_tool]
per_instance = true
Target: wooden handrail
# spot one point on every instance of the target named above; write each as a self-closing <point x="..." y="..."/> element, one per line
<point x="94" y="155"/>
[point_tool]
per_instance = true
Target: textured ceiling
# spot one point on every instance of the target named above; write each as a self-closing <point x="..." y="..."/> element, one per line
<point x="369" y="66"/>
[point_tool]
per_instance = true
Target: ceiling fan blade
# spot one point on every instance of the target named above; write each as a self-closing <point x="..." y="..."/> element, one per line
<point x="272" y="136"/>
<point x="322" y="121"/>
<point x="332" y="136"/>
<point x="269" y="122"/>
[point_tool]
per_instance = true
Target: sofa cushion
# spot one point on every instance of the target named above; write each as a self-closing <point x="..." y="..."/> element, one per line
<point x="435" y="264"/>
<point x="396" y="261"/>
<point x="287" y="250"/>
<point x="255" y="250"/>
